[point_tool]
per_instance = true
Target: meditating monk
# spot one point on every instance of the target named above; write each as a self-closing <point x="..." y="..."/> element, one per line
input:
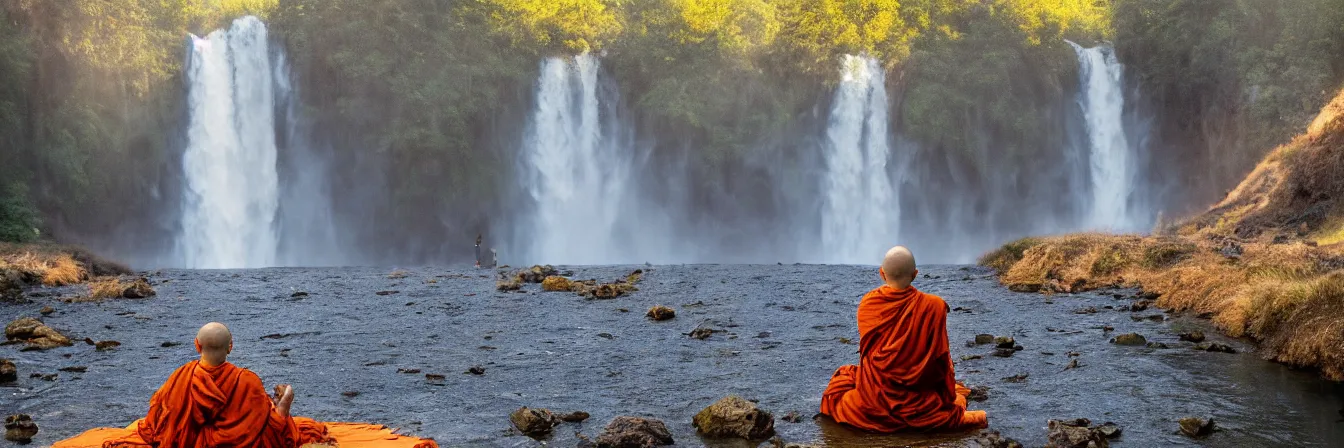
<point x="904" y="380"/>
<point x="211" y="403"/>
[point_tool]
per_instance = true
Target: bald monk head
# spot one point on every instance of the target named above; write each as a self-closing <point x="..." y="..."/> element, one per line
<point x="898" y="267"/>
<point x="214" y="342"/>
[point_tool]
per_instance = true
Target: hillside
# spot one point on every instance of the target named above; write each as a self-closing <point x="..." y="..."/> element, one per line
<point x="1266" y="262"/>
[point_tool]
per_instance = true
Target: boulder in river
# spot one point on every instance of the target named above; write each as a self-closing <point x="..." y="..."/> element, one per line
<point x="533" y="422"/>
<point x="19" y="428"/>
<point x="1139" y="305"/>
<point x="733" y="416"/>
<point x="1197" y="427"/>
<point x="509" y="284"/>
<point x="660" y="312"/>
<point x="536" y="274"/>
<point x="1129" y="339"/>
<point x="46" y="310"/>
<point x="1004" y="342"/>
<point x="38" y="335"/>
<point x="556" y="283"/>
<point x="992" y="439"/>
<point x="8" y="371"/>
<point x="634" y="432"/>
<point x="1074" y="434"/>
<point x="984" y="338"/>
<point x="1193" y="336"/>
<point x="137" y="289"/>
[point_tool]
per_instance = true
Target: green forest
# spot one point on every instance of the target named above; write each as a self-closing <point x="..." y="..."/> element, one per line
<point x="91" y="92"/>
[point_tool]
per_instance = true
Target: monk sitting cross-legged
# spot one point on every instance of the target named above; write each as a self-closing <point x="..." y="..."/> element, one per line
<point x="211" y="403"/>
<point x="904" y="381"/>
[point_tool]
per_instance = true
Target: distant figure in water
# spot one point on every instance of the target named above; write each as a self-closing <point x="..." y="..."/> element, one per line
<point x="478" y="250"/>
<point x="904" y="380"/>
<point x="211" y="403"/>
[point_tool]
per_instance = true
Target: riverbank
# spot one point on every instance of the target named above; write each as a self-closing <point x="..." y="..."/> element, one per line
<point x="49" y="264"/>
<point x="1266" y="263"/>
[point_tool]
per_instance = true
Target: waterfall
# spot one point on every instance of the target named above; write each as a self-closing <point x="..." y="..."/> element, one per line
<point x="229" y="163"/>
<point x="860" y="214"/>
<point x="1110" y="158"/>
<point x="573" y="173"/>
<point x="306" y="226"/>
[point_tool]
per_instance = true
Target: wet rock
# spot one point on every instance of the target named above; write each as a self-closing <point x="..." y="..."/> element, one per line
<point x="74" y="369"/>
<point x="167" y="344"/>
<point x="1197" y="427"/>
<point x="1147" y="295"/>
<point x="1074" y="434"/>
<point x="792" y="417"/>
<point x="298" y="294"/>
<point x="20" y="428"/>
<point x="138" y="289"/>
<point x="1129" y="339"/>
<point x="435" y="378"/>
<point x="661" y="313"/>
<point x="574" y="417"/>
<point x="634" y="432"/>
<point x="1073" y="364"/>
<point x="1139" y="305"/>
<point x="511" y="284"/>
<point x="1193" y="336"/>
<point x="1109" y="430"/>
<point x="702" y="333"/>
<point x="533" y="422"/>
<point x="1157" y="345"/>
<point x="984" y="338"/>
<point x="1107" y="328"/>
<point x="978" y="393"/>
<point x="46" y="310"/>
<point x="733" y="416"/>
<point x="1004" y="352"/>
<point x="388" y="292"/>
<point x="1004" y="342"/>
<point x="476" y="370"/>
<point x="106" y="345"/>
<point x="971" y="357"/>
<point x="410" y="371"/>
<point x="992" y="439"/>
<point x="1019" y="378"/>
<point x="36" y="334"/>
<point x="8" y="371"/>
<point x="1220" y="348"/>
<point x="44" y="377"/>
<point x="556" y="283"/>
<point x="536" y="273"/>
<point x="350" y="393"/>
<point x="1088" y="310"/>
<point x="1018" y="348"/>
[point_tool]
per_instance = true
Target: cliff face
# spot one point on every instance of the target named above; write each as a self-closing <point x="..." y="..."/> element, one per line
<point x="1266" y="262"/>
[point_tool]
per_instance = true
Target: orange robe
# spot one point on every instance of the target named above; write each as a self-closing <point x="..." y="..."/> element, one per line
<point x="223" y="405"/>
<point x="904" y="380"/>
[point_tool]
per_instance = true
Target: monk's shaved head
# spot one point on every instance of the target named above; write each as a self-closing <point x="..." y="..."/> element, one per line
<point x="898" y="266"/>
<point x="214" y="341"/>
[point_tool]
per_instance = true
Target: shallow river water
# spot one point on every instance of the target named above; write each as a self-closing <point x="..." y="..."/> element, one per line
<point x="786" y="329"/>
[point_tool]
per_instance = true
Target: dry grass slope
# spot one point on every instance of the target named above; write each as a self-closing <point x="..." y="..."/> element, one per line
<point x="1266" y="262"/>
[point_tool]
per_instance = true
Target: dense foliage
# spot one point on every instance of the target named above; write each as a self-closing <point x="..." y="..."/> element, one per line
<point x="425" y="95"/>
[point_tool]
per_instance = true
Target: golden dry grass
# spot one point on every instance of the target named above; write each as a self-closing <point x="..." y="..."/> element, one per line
<point x="106" y="288"/>
<point x="51" y="269"/>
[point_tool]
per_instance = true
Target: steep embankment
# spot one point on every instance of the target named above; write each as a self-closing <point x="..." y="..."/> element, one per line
<point x="1267" y="262"/>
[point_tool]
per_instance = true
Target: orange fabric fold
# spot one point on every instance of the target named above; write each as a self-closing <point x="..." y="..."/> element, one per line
<point x="216" y="406"/>
<point x="345" y="435"/>
<point x="904" y="379"/>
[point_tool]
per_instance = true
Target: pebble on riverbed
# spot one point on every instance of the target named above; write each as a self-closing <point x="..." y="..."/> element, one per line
<point x="634" y="432"/>
<point x="1078" y="433"/>
<point x="1193" y="336"/>
<point x="533" y="422"/>
<point x="733" y="416"/>
<point x="984" y="339"/>
<point x="1129" y="339"/>
<point x="1197" y="427"/>
<point x="992" y="439"/>
<point x="8" y="371"/>
<point x="660" y="312"/>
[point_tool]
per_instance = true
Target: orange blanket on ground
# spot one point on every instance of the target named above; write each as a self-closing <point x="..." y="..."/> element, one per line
<point x="209" y="406"/>
<point x="344" y="435"/>
<point x="904" y="380"/>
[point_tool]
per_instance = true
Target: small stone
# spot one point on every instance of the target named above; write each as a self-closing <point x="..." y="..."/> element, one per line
<point x="660" y="313"/>
<point x="1019" y="378"/>
<point x="606" y="336"/>
<point x="1220" y="348"/>
<point x="992" y="439"/>
<point x="476" y="370"/>
<point x="8" y="371"/>
<point x="1109" y="430"/>
<point x="1074" y="434"/>
<point x="434" y="377"/>
<point x="1129" y="339"/>
<point x="46" y="310"/>
<point x="971" y="357"/>
<point x="167" y="344"/>
<point x="1197" y="427"/>
<point x="350" y="393"/>
<point x="298" y="294"/>
<point x="1193" y="336"/>
<point x="512" y="284"/>
<point x="733" y="416"/>
<point x="1073" y="364"/>
<point x="634" y="432"/>
<point x="533" y="422"/>
<point x="47" y="377"/>
<point x="1018" y="348"/>
<point x="386" y="293"/>
<point x="19" y="428"/>
<point x="556" y="283"/>
<point x="1004" y="342"/>
<point x="1088" y="310"/>
<point x="702" y="333"/>
<point x="1139" y="305"/>
<point x="978" y="393"/>
<point x="138" y="289"/>
<point x="106" y="345"/>
<point x="984" y="338"/>
<point x="75" y="369"/>
<point x="1004" y="352"/>
<point x="1157" y="345"/>
<point x="1107" y="328"/>
<point x="792" y="417"/>
<point x="574" y="417"/>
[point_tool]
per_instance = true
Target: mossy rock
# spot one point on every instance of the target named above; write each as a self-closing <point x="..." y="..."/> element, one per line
<point x="733" y="416"/>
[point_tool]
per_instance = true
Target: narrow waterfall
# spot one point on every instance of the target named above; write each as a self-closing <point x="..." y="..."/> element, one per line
<point x="229" y="164"/>
<point x="306" y="227"/>
<point x="571" y="170"/>
<point x="1110" y="156"/>
<point x="860" y="215"/>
